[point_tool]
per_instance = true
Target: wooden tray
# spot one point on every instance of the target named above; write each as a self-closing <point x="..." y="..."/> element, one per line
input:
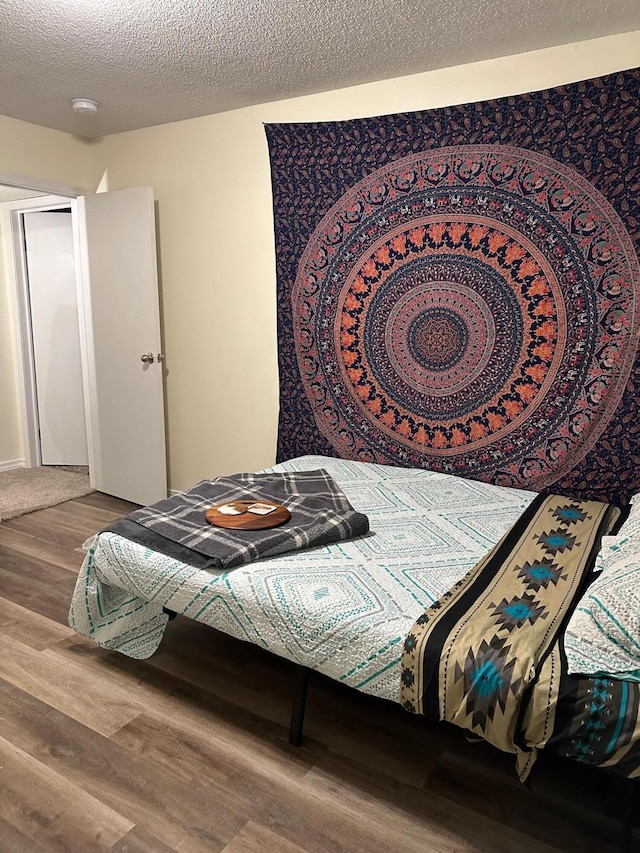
<point x="247" y="520"/>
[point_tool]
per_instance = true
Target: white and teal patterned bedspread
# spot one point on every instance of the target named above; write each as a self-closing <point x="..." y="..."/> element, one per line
<point x="342" y="609"/>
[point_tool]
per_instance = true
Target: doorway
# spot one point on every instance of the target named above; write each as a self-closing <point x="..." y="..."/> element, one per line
<point x="49" y="263"/>
<point x="46" y="303"/>
<point x="120" y="340"/>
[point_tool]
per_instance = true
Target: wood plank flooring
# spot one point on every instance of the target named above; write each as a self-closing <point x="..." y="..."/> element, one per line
<point x="188" y="751"/>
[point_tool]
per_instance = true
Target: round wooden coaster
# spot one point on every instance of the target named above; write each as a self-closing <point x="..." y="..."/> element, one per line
<point x="245" y="519"/>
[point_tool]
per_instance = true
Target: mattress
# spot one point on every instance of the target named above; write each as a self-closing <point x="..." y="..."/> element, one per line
<point x="342" y="609"/>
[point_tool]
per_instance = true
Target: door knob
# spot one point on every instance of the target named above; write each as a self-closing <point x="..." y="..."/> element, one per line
<point x="147" y="358"/>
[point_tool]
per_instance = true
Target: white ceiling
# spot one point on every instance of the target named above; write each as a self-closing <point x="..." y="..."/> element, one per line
<point x="149" y="62"/>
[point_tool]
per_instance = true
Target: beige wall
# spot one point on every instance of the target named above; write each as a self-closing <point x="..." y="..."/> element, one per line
<point x="10" y="439"/>
<point x="212" y="182"/>
<point x="54" y="158"/>
<point x="47" y="155"/>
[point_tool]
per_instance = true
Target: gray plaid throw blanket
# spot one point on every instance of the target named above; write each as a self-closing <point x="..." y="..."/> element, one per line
<point x="320" y="514"/>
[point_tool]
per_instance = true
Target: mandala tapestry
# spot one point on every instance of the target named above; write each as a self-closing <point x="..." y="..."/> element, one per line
<point x="458" y="288"/>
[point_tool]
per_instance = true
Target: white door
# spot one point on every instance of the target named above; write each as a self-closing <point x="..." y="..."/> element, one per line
<point x="56" y="341"/>
<point x="126" y="398"/>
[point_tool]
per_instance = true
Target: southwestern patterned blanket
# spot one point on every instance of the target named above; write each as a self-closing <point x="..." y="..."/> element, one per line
<point x="488" y="655"/>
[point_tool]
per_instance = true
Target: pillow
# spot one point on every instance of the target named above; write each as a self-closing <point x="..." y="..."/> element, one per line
<point x="603" y="634"/>
<point x="628" y="536"/>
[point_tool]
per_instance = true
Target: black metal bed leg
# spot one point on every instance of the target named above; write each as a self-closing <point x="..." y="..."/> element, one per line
<point x="628" y="818"/>
<point x="299" y="701"/>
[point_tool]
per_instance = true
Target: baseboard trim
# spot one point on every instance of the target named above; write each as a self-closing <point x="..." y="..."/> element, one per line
<point x="12" y="463"/>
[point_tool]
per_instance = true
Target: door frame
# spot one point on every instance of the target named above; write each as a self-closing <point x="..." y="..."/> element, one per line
<point x="17" y="286"/>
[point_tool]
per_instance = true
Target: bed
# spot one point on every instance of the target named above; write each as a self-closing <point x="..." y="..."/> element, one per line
<point x="344" y="610"/>
<point x="349" y="609"/>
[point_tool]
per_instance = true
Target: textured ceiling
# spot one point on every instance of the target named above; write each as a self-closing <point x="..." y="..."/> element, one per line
<point x="16" y="194"/>
<point x="149" y="62"/>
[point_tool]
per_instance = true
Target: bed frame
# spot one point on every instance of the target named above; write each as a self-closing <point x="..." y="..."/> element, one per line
<point x="296" y="736"/>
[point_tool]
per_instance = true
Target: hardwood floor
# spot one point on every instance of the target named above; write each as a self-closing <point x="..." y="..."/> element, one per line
<point x="188" y="751"/>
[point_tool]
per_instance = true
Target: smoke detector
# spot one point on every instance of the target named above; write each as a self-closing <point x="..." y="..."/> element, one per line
<point x="84" y="105"/>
